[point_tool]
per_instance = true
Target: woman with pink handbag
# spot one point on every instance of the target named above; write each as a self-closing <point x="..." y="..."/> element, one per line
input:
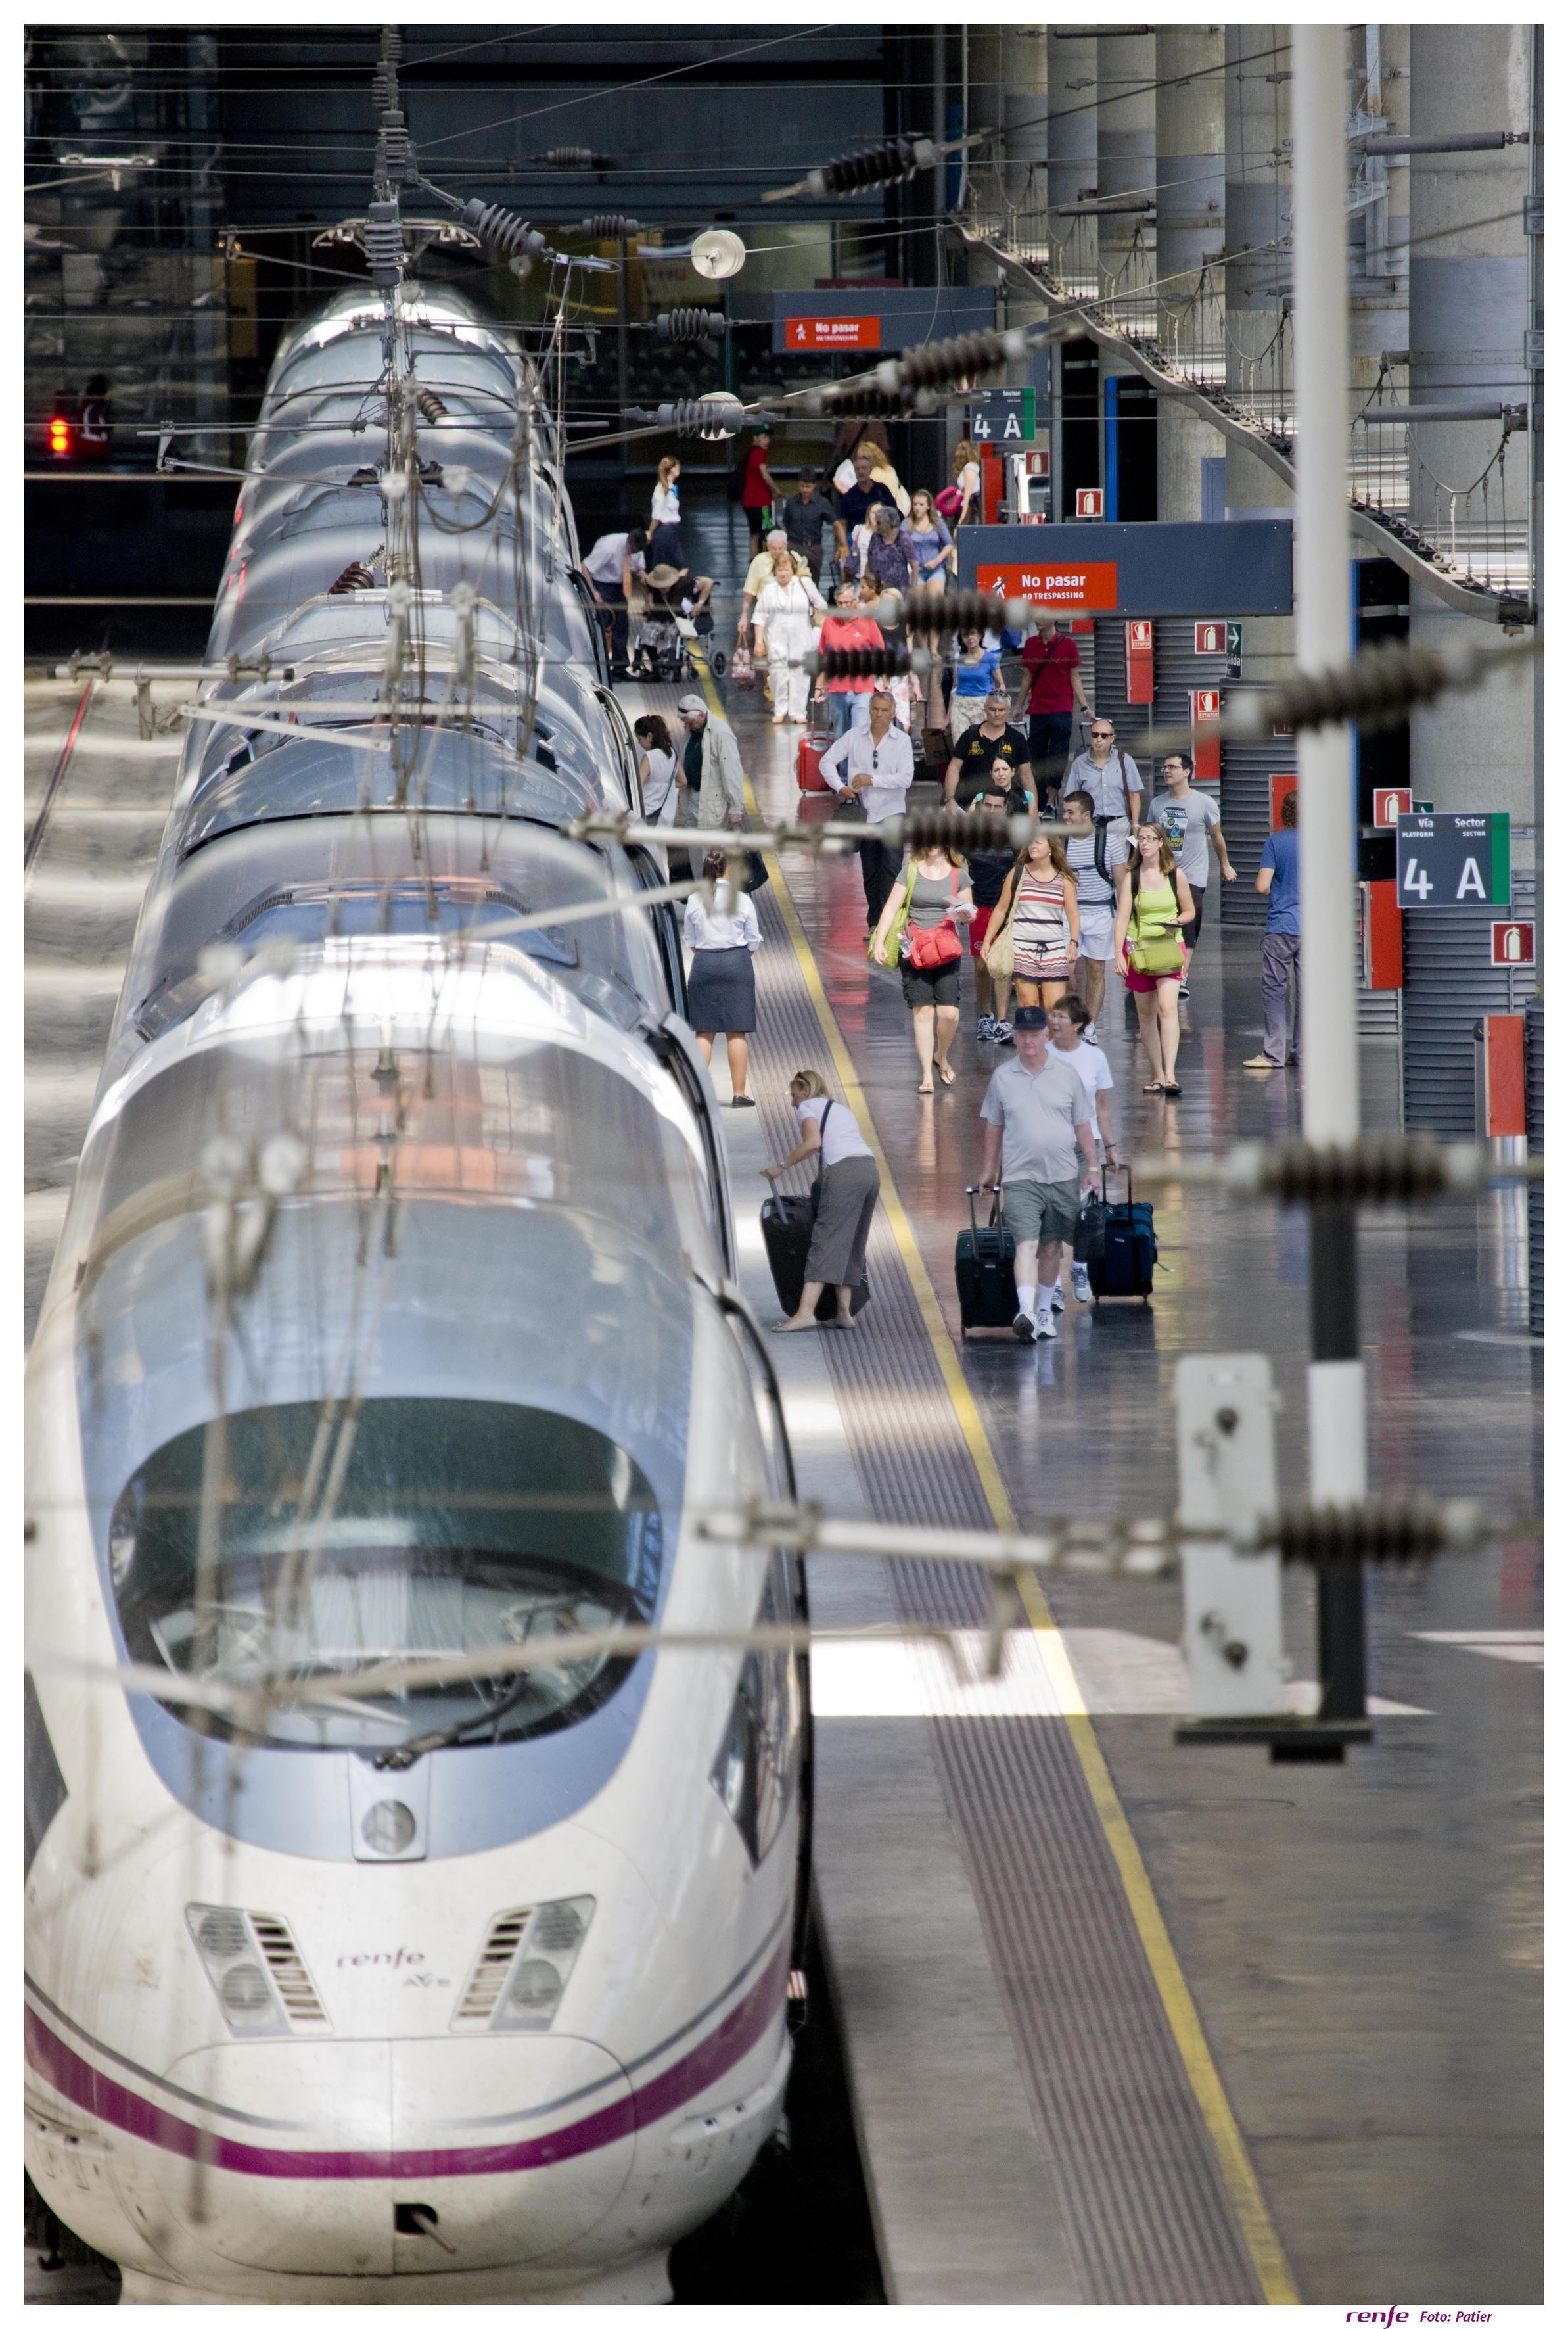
<point x="918" y="931"/>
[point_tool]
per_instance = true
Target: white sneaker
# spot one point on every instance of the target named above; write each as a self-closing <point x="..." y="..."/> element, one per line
<point x="1087" y="1034"/>
<point x="984" y="1027"/>
<point x="1002" y="1031"/>
<point x="1059" y="1299"/>
<point x="1081" y="1282"/>
<point x="1024" y="1327"/>
<point x="1045" y="1324"/>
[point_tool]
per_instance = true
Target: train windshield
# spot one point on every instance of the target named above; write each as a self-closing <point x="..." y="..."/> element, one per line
<point x="296" y="1554"/>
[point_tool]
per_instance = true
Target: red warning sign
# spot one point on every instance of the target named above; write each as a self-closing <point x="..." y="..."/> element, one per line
<point x="1057" y="583"/>
<point x="1091" y="501"/>
<point x="1390" y="803"/>
<point x="1139" y="662"/>
<point x="833" y="331"/>
<point x="1513" y="943"/>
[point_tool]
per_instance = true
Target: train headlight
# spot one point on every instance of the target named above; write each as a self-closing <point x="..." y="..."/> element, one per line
<point x="525" y="1965"/>
<point x="260" y="1978"/>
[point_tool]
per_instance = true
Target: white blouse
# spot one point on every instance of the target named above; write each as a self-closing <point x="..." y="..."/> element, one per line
<point x="666" y="505"/>
<point x="793" y="600"/>
<point x="715" y="933"/>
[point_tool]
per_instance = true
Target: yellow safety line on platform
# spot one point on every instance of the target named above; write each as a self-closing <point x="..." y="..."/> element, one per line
<point x="1262" y="2242"/>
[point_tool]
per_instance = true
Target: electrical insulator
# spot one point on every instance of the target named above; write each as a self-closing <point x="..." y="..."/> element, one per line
<point x="393" y="151"/>
<point x="391" y="44"/>
<point x="719" y="415"/>
<point x="859" y="403"/>
<point x="356" y="576"/>
<point x="867" y="663"/>
<point x="431" y="404"/>
<point x="60" y="437"/>
<point x="968" y="610"/>
<point x="691" y="324"/>
<point x="609" y="226"/>
<point x="943" y="362"/>
<point x="383" y="239"/>
<point x="574" y="157"/>
<point x="511" y="235"/>
<point x="881" y="166"/>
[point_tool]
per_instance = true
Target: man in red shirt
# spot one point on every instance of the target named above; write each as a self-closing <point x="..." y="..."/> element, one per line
<point x="758" y="491"/>
<point x="1051" y="687"/>
<point x="848" y="701"/>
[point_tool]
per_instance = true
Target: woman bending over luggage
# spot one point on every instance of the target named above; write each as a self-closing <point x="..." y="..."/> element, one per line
<point x="1039" y="905"/>
<point x="918" y="931"/>
<point x="847" y="1183"/>
<point x="722" y="988"/>
<point x="1152" y="902"/>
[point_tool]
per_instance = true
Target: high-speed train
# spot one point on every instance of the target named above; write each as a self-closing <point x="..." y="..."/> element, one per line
<point x="393" y="1322"/>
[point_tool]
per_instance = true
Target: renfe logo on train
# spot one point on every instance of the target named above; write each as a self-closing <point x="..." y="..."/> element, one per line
<point x="1074" y="584"/>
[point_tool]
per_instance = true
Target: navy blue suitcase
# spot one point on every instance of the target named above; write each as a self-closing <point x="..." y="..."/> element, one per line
<point x="983" y="1264"/>
<point x="1123" y="1254"/>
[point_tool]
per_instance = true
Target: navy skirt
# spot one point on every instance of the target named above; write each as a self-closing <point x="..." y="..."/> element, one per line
<point x="721" y="991"/>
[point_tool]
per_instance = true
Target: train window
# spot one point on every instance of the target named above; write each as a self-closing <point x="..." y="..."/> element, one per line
<point x="456" y="1527"/>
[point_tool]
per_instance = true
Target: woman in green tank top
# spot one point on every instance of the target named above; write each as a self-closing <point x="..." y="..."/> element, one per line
<point x="1152" y="902"/>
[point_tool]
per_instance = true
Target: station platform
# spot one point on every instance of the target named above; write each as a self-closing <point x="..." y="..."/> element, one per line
<point x="1124" y="2023"/>
<point x="1127" y="2022"/>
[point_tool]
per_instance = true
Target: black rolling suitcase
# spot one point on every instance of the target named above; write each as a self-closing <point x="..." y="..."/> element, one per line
<point x="786" y="1233"/>
<point x="1123" y="1254"/>
<point x="982" y="1263"/>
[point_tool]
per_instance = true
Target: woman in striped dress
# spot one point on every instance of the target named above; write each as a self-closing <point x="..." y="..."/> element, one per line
<point x="1040" y="900"/>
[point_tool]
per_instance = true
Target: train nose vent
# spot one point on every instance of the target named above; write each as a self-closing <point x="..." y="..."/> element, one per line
<point x="252" y="1962"/>
<point x="524" y="1967"/>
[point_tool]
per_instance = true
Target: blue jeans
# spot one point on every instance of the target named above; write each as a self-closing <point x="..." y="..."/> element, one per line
<point x="848" y="708"/>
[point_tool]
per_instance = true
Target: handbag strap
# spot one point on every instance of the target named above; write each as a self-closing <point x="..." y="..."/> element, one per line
<point x="821" y="1140"/>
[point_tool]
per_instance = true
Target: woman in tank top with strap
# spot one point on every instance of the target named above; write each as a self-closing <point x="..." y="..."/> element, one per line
<point x="1152" y="903"/>
<point x="1041" y="903"/>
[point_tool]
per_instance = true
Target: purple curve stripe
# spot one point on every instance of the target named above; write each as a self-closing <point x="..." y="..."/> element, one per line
<point x="73" y="2076"/>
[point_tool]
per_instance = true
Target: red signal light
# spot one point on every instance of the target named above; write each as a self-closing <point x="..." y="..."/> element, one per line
<point x="60" y="439"/>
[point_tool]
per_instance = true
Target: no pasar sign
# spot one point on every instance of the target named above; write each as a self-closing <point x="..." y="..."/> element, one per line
<point x="1460" y="859"/>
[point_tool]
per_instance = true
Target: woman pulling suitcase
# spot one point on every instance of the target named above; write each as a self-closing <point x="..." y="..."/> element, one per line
<point x="845" y="1196"/>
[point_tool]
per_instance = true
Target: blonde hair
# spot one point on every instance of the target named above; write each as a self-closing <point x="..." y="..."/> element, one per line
<point x="807" y="1080"/>
<point x="963" y="452"/>
<point x="667" y="468"/>
<point x="1059" y="856"/>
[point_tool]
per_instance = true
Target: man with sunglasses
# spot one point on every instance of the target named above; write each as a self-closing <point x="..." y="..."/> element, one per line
<point x="1110" y="777"/>
<point x="873" y="766"/>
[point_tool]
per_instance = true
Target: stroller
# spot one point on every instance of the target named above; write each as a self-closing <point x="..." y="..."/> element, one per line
<point x="661" y="634"/>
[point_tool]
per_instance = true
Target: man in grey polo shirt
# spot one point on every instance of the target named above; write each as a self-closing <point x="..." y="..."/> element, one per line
<point x="1039" y="1123"/>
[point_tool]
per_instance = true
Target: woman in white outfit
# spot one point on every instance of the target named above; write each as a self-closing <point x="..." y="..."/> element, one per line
<point x="659" y="769"/>
<point x="667" y="493"/>
<point x="785" y="625"/>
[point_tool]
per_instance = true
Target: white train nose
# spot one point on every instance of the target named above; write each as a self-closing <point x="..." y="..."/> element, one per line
<point x="413" y="2155"/>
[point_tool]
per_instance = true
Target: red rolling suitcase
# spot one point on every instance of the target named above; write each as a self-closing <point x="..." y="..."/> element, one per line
<point x="809" y="774"/>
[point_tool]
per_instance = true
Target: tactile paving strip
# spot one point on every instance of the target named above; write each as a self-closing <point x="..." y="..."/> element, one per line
<point x="1141" y="2192"/>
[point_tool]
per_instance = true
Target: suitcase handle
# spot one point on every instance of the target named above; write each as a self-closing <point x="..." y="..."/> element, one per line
<point x="1104" y="1170"/>
<point x="997" y="1209"/>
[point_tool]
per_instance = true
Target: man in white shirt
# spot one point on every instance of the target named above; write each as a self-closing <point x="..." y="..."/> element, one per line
<point x="607" y="570"/>
<point x="1064" y="1023"/>
<point x="1188" y="819"/>
<point x="1035" y="1110"/>
<point x="1108" y="775"/>
<point x="875" y="766"/>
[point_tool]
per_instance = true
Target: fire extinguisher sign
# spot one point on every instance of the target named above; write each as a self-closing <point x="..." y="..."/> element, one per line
<point x="1513" y="943"/>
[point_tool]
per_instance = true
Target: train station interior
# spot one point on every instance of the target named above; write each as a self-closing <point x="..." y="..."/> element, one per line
<point x="1175" y="1905"/>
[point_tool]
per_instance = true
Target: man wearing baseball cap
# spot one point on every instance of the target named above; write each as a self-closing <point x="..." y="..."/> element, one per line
<point x="1039" y="1125"/>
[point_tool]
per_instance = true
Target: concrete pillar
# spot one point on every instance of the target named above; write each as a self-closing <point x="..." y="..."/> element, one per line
<point x="1468" y="311"/>
<point x="1126" y="142"/>
<point x="1074" y="150"/>
<point x="1190" y="170"/>
<point x="1257" y="201"/>
<point x="1025" y="54"/>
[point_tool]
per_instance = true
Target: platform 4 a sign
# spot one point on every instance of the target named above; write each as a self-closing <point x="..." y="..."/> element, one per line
<point x="1455" y="859"/>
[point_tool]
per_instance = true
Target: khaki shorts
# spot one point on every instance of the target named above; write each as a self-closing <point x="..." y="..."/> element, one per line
<point x="1040" y="1209"/>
